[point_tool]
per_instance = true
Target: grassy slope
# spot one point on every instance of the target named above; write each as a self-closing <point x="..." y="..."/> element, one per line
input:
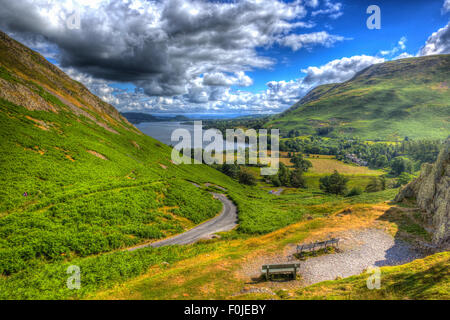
<point x="423" y="279"/>
<point x="407" y="97"/>
<point x="222" y="273"/>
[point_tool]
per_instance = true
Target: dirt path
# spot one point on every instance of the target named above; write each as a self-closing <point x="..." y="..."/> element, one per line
<point x="359" y="249"/>
<point x="226" y="221"/>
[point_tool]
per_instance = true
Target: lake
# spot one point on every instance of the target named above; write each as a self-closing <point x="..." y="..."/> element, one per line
<point x="162" y="131"/>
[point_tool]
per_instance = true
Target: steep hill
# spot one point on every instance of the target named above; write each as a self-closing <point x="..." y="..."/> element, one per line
<point x="407" y="97"/>
<point x="77" y="179"/>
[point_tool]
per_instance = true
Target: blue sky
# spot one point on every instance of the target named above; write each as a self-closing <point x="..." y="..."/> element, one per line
<point x="416" y="20"/>
<point x="199" y="56"/>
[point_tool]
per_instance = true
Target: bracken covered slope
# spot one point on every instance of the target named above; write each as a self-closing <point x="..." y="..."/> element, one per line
<point x="77" y="178"/>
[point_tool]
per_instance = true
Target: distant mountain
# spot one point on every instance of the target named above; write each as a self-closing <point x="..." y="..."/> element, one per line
<point x="137" y="117"/>
<point x="407" y="97"/>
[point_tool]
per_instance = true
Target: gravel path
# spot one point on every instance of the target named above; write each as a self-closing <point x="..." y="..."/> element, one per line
<point x="359" y="249"/>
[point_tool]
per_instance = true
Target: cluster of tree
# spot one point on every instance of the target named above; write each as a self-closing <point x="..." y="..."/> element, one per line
<point x="421" y="150"/>
<point x="377" y="155"/>
<point x="334" y="184"/>
<point x="381" y="183"/>
<point x="223" y="125"/>
<point x="240" y="173"/>
<point x="292" y="178"/>
<point x="400" y="165"/>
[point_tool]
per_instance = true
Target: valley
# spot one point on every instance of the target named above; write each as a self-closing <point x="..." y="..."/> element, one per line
<point x="81" y="186"/>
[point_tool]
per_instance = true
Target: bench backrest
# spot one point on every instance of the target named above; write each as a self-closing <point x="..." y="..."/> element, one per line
<point x="317" y="244"/>
<point x="280" y="266"/>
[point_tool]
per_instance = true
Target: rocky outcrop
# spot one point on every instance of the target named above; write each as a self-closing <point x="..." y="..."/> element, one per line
<point x="431" y="190"/>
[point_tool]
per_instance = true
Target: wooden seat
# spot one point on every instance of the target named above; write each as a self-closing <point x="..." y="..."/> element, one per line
<point x="311" y="247"/>
<point x="288" y="269"/>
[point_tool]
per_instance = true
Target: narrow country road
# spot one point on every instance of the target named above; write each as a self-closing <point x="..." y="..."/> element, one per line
<point x="226" y="221"/>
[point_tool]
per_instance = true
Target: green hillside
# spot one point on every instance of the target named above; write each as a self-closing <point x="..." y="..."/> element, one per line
<point x="77" y="178"/>
<point x="388" y="101"/>
<point x="79" y="184"/>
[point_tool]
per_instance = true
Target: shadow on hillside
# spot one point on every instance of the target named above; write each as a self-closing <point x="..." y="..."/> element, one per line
<point x="409" y="233"/>
<point x="416" y="284"/>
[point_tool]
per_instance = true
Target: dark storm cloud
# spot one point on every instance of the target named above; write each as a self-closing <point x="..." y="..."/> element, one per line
<point x="159" y="46"/>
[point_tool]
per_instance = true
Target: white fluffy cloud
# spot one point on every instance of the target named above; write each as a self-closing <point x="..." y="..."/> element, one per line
<point x="333" y="10"/>
<point x="400" y="46"/>
<point x="446" y="6"/>
<point x="437" y="43"/>
<point x="339" y="70"/>
<point x="308" y="40"/>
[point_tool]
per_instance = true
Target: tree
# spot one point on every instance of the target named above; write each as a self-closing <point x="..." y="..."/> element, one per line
<point x="380" y="161"/>
<point x="335" y="184"/>
<point x="383" y="182"/>
<point x="400" y="165"/>
<point x="300" y="163"/>
<point x="403" y="179"/>
<point x="374" y="185"/>
<point x="231" y="170"/>
<point x="283" y="175"/>
<point x="275" y="180"/>
<point x="297" y="179"/>
<point x="246" y="177"/>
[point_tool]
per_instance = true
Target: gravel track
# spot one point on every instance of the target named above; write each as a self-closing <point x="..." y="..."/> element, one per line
<point x="358" y="250"/>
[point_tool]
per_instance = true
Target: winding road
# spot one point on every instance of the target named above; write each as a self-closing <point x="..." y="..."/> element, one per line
<point x="226" y="221"/>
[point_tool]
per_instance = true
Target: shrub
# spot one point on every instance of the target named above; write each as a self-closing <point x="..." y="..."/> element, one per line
<point x="374" y="185"/>
<point x="297" y="179"/>
<point x="246" y="177"/>
<point x="356" y="191"/>
<point x="334" y="184"/>
<point x="403" y="179"/>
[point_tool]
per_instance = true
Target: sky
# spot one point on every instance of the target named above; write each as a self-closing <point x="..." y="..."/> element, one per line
<point x="227" y="57"/>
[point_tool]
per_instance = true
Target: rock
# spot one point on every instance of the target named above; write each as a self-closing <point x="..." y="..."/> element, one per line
<point x="431" y="190"/>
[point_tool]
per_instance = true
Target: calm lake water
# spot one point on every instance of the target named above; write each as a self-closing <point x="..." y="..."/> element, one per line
<point x="162" y="131"/>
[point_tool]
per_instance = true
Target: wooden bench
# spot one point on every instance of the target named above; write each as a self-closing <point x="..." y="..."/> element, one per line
<point x="287" y="269"/>
<point x="311" y="247"/>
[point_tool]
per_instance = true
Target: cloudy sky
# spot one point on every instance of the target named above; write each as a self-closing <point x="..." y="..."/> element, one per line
<point x="199" y="56"/>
